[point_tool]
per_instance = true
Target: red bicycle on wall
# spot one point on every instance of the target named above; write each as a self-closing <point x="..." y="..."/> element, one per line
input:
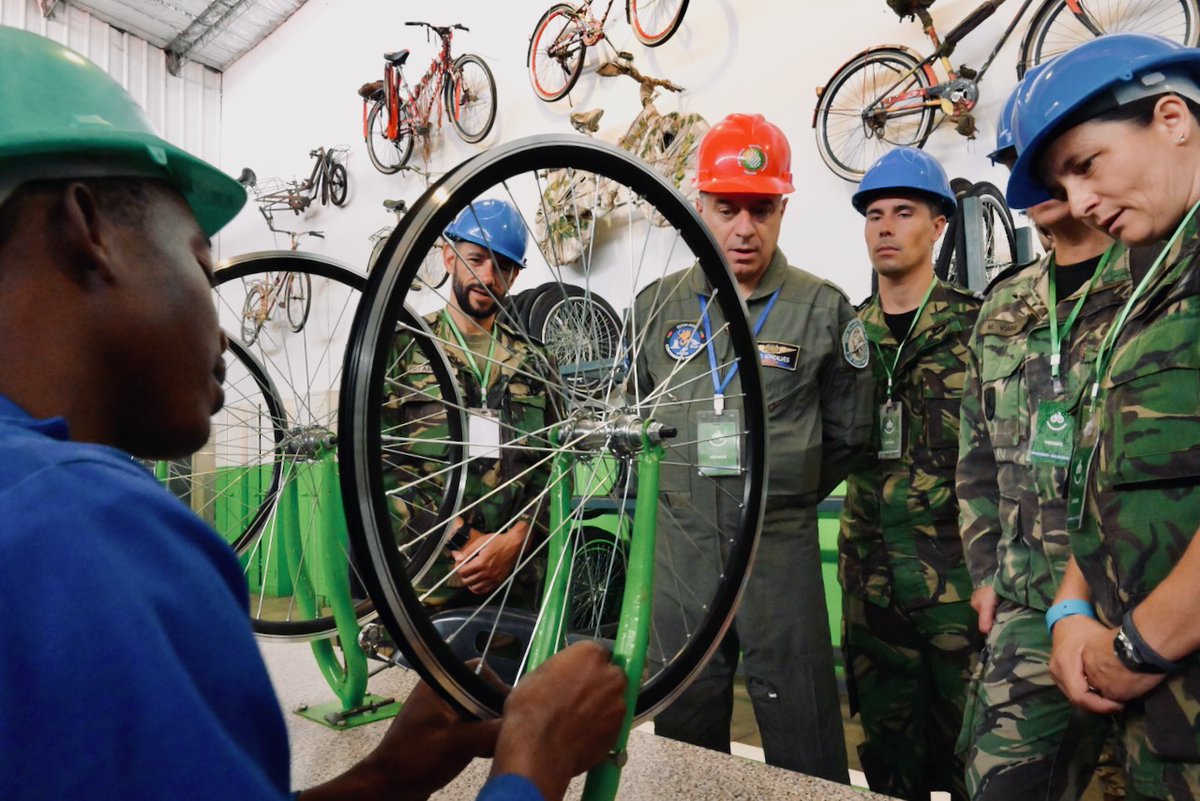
<point x="395" y="114"/>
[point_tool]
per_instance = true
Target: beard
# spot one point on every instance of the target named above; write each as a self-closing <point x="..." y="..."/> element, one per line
<point x="465" y="301"/>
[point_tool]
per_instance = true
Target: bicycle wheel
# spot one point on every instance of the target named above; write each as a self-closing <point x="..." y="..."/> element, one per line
<point x="253" y="317"/>
<point x="581" y="331"/>
<point x="873" y="104"/>
<point x="556" y="50"/>
<point x="998" y="237"/>
<point x="297" y="299"/>
<point x="386" y="154"/>
<point x="655" y="21"/>
<point x="555" y="429"/>
<point x="286" y="556"/>
<point x="338" y="183"/>
<point x="471" y="98"/>
<point x="228" y="482"/>
<point x="597" y="581"/>
<point x="1055" y="29"/>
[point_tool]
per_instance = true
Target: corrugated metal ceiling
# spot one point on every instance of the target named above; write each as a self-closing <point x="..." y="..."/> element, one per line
<point x="215" y="33"/>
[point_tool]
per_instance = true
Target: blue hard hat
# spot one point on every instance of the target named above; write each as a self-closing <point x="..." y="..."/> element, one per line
<point x="492" y="224"/>
<point x="906" y="168"/>
<point x="1004" y="127"/>
<point x="1100" y="74"/>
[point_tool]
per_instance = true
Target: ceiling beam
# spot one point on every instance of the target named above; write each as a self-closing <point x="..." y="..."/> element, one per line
<point x="202" y="30"/>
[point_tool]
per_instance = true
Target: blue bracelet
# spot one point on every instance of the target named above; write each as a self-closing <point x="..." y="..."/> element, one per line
<point x="1066" y="609"/>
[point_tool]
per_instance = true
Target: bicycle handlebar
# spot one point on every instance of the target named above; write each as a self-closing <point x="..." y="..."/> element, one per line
<point x="443" y="30"/>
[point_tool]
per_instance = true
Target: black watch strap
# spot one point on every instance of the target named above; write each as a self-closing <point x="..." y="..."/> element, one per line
<point x="1135" y="654"/>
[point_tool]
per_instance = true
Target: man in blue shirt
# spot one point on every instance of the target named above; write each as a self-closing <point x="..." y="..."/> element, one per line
<point x="110" y="347"/>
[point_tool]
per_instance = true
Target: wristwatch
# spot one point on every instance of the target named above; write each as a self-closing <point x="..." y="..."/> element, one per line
<point x="1135" y="655"/>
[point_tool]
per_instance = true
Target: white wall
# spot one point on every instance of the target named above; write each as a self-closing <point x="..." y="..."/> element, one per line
<point x="297" y="90"/>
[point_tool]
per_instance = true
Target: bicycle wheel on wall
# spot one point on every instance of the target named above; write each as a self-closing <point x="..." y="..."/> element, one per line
<point x="1055" y="28"/>
<point x="556" y="51"/>
<point x="386" y="154"/>
<point x="998" y="238"/>
<point x="864" y="111"/>
<point x="655" y="21"/>
<point x="471" y="98"/>
<point x="339" y="184"/>
<point x="302" y="532"/>
<point x="297" y="299"/>
<point x="382" y="467"/>
<point x="255" y="312"/>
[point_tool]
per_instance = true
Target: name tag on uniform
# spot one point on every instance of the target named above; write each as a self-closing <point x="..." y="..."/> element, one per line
<point x="483" y="434"/>
<point x="891" y="431"/>
<point x="780" y="355"/>
<point x="1081" y="466"/>
<point x="719" y="442"/>
<point x="1053" y="434"/>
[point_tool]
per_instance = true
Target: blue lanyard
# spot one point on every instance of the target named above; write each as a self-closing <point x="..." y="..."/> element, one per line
<point x="719" y="386"/>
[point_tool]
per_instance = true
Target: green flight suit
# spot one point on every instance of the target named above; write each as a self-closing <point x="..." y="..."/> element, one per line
<point x="910" y="635"/>
<point x="1021" y="735"/>
<point x="818" y="420"/>
<point x="413" y="408"/>
<point x="1143" y="505"/>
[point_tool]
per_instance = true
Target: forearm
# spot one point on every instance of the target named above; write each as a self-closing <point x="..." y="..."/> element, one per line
<point x="1074" y="585"/>
<point x="976" y="485"/>
<point x="1166" y="619"/>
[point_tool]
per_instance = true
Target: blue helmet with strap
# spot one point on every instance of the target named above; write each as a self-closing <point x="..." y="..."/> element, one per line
<point x="1097" y="76"/>
<point x="492" y="224"/>
<point x="906" y="169"/>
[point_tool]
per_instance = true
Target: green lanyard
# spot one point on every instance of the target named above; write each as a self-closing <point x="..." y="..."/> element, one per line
<point x="911" y="326"/>
<point x="1056" y="341"/>
<point x="1105" y="352"/>
<point x="482" y="375"/>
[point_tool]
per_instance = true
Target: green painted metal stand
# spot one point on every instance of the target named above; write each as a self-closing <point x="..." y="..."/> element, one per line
<point x="633" y="631"/>
<point x="346" y="677"/>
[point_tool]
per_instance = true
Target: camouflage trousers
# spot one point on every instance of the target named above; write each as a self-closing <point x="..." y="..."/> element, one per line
<point x="1151" y="775"/>
<point x="907" y="677"/>
<point x="1023" y="738"/>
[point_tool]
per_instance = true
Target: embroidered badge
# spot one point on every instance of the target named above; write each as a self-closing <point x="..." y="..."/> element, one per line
<point x="854" y="344"/>
<point x="752" y="159"/>
<point x="778" y="354"/>
<point x="683" y="340"/>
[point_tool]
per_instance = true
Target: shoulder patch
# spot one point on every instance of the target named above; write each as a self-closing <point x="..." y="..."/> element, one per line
<point x="683" y="340"/>
<point x="855" y="347"/>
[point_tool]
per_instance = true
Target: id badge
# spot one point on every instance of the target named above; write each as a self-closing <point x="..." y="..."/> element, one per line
<point x="1081" y="466"/>
<point x="719" y="442"/>
<point x="1053" y="434"/>
<point x="891" y="431"/>
<point x="484" y="434"/>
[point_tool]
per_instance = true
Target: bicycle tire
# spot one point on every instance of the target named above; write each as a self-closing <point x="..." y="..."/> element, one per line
<point x="514" y="170"/>
<point x="249" y="395"/>
<point x="471" y="97"/>
<point x="251" y="312"/>
<point x="845" y="135"/>
<point x="387" y="155"/>
<point x="655" y="21"/>
<point x="580" y="329"/>
<point x="304" y="369"/>
<point x="554" y="76"/>
<point x="999" y="237"/>
<point x="339" y="184"/>
<point x="1055" y="28"/>
<point x="597" y="582"/>
<point x="297" y="308"/>
<point x="946" y="248"/>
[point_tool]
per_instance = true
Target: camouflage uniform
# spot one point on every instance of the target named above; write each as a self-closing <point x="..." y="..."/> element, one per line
<point x="910" y="633"/>
<point x="818" y="419"/>
<point x="1143" y="505"/>
<point x="414" y="408"/>
<point x="1023" y="736"/>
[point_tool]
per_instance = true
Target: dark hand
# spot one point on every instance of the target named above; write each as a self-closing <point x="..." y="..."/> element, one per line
<point x="562" y="719"/>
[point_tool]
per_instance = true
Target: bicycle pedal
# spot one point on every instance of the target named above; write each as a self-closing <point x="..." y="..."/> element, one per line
<point x="966" y="126"/>
<point x="624" y="55"/>
<point x="966" y="72"/>
<point x="422" y="130"/>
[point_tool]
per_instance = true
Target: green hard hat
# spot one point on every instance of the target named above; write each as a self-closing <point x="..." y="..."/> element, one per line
<point x="61" y="116"/>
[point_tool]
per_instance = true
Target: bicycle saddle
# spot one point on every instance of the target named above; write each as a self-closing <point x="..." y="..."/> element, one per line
<point x="398" y="58"/>
<point x="370" y="90"/>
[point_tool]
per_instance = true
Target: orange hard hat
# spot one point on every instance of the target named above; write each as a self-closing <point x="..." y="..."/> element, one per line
<point x="744" y="154"/>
